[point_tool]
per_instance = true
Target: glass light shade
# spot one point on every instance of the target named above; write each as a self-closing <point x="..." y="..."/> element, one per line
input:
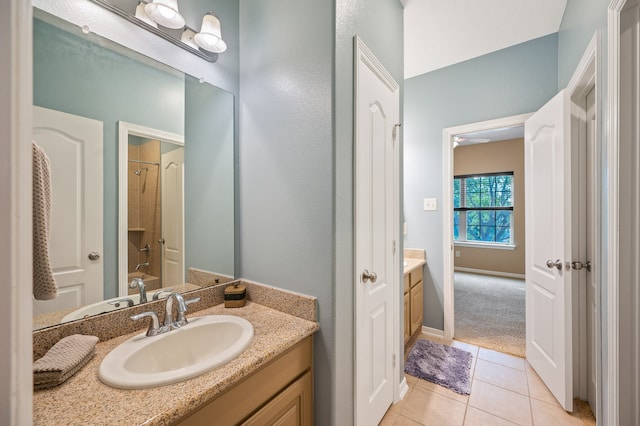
<point x="165" y="13"/>
<point x="142" y="15"/>
<point x="210" y="33"/>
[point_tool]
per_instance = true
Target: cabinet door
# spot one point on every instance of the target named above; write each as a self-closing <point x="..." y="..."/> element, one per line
<point x="292" y="407"/>
<point x="416" y="307"/>
<point x="407" y="317"/>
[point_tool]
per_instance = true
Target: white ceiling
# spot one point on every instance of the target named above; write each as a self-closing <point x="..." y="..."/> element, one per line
<point x="493" y="135"/>
<point x="439" y="33"/>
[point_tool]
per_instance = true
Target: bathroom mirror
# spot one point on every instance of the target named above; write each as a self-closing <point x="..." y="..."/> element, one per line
<point x="105" y="87"/>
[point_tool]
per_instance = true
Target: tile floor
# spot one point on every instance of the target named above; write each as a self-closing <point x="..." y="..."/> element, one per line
<point x="505" y="391"/>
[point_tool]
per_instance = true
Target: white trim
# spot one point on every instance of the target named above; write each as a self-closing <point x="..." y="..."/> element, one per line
<point x="612" y="398"/>
<point x="488" y="272"/>
<point x="16" y="78"/>
<point x="447" y="201"/>
<point x="403" y="389"/>
<point x="124" y="130"/>
<point x="477" y="244"/>
<point x="585" y="77"/>
<point x="432" y="331"/>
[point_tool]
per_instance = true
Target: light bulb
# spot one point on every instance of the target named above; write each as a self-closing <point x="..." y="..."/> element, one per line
<point x="165" y="13"/>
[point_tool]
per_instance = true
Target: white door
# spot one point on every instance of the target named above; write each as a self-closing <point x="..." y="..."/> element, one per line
<point x="548" y="246"/>
<point x="74" y="147"/>
<point x="376" y="227"/>
<point x="172" y="165"/>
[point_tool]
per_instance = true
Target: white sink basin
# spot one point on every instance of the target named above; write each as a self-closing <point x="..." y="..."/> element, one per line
<point x="205" y="343"/>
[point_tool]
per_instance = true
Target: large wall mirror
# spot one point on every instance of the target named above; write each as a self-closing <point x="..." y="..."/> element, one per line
<point x="142" y="172"/>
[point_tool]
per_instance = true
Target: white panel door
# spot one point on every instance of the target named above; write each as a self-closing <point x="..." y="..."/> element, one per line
<point x="548" y="246"/>
<point x="74" y="147"/>
<point x="172" y="165"/>
<point x="376" y="150"/>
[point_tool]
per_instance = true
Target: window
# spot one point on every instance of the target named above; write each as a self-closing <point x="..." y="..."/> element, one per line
<point x="483" y="208"/>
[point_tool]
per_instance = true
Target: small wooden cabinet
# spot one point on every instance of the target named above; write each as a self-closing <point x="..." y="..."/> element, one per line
<point x="280" y="393"/>
<point x="413" y="302"/>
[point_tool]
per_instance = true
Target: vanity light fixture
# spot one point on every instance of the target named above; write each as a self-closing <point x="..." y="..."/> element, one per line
<point x="210" y="36"/>
<point x="159" y="16"/>
<point x="165" y="13"/>
<point x="187" y="38"/>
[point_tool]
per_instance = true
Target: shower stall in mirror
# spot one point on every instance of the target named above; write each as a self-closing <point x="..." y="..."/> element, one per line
<point x="154" y="166"/>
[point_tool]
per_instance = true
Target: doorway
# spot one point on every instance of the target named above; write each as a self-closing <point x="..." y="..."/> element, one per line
<point x="583" y="369"/>
<point x="488" y="239"/>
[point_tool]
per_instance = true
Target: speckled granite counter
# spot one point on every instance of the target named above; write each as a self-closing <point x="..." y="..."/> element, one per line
<point x="85" y="400"/>
<point x="413" y="264"/>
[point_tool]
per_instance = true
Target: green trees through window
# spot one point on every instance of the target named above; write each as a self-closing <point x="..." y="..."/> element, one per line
<point x="483" y="208"/>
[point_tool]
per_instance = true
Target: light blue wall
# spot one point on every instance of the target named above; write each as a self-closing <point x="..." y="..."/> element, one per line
<point x="209" y="178"/>
<point x="286" y="170"/>
<point x="379" y="24"/>
<point x="516" y="80"/>
<point x="74" y="75"/>
<point x="296" y="162"/>
<point x="581" y="19"/>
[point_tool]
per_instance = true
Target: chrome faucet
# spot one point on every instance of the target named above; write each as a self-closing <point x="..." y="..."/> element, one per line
<point x="181" y="318"/>
<point x="137" y="282"/>
<point x="168" y="324"/>
<point x="141" y="265"/>
<point x="157" y="294"/>
<point x="126" y="300"/>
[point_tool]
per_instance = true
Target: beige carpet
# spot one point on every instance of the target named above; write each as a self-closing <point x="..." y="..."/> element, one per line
<point x="489" y="312"/>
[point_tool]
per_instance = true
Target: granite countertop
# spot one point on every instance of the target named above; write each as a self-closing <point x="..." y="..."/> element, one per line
<point x="413" y="264"/>
<point x="85" y="400"/>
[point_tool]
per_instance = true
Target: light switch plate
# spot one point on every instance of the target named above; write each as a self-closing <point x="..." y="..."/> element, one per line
<point x="430" y="204"/>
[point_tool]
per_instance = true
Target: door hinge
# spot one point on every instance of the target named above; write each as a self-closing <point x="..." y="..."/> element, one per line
<point x="393" y="362"/>
<point x="396" y="127"/>
<point x="395" y="249"/>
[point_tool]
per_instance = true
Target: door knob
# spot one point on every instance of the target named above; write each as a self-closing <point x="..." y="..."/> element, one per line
<point x="366" y="276"/>
<point x="94" y="255"/>
<point x="557" y="264"/>
<point x="577" y="265"/>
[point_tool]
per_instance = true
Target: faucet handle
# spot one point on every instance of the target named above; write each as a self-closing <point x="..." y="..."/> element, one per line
<point x="156" y="295"/>
<point x="190" y="301"/>
<point x="126" y="300"/>
<point x="154" y="325"/>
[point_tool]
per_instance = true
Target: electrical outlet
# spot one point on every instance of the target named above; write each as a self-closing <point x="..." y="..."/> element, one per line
<point x="457" y="253"/>
<point x="430" y="204"/>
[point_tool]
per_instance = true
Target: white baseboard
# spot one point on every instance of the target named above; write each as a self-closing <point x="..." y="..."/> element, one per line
<point x="403" y="389"/>
<point x="486" y="272"/>
<point x="432" y="331"/>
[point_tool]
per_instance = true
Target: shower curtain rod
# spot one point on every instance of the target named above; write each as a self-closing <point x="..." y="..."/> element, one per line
<point x="145" y="162"/>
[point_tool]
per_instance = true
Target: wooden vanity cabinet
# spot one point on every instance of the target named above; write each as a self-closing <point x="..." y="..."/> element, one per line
<point x="413" y="303"/>
<point x="280" y="392"/>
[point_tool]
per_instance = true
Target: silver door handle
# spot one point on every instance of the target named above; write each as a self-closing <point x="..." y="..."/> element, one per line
<point x="557" y="264"/>
<point x="94" y="255"/>
<point x="577" y="265"/>
<point x="366" y="276"/>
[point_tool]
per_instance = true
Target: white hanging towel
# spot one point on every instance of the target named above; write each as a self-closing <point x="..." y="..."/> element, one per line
<point x="44" y="285"/>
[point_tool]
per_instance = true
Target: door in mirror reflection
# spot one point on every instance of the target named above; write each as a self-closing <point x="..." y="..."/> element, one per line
<point x="73" y="145"/>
